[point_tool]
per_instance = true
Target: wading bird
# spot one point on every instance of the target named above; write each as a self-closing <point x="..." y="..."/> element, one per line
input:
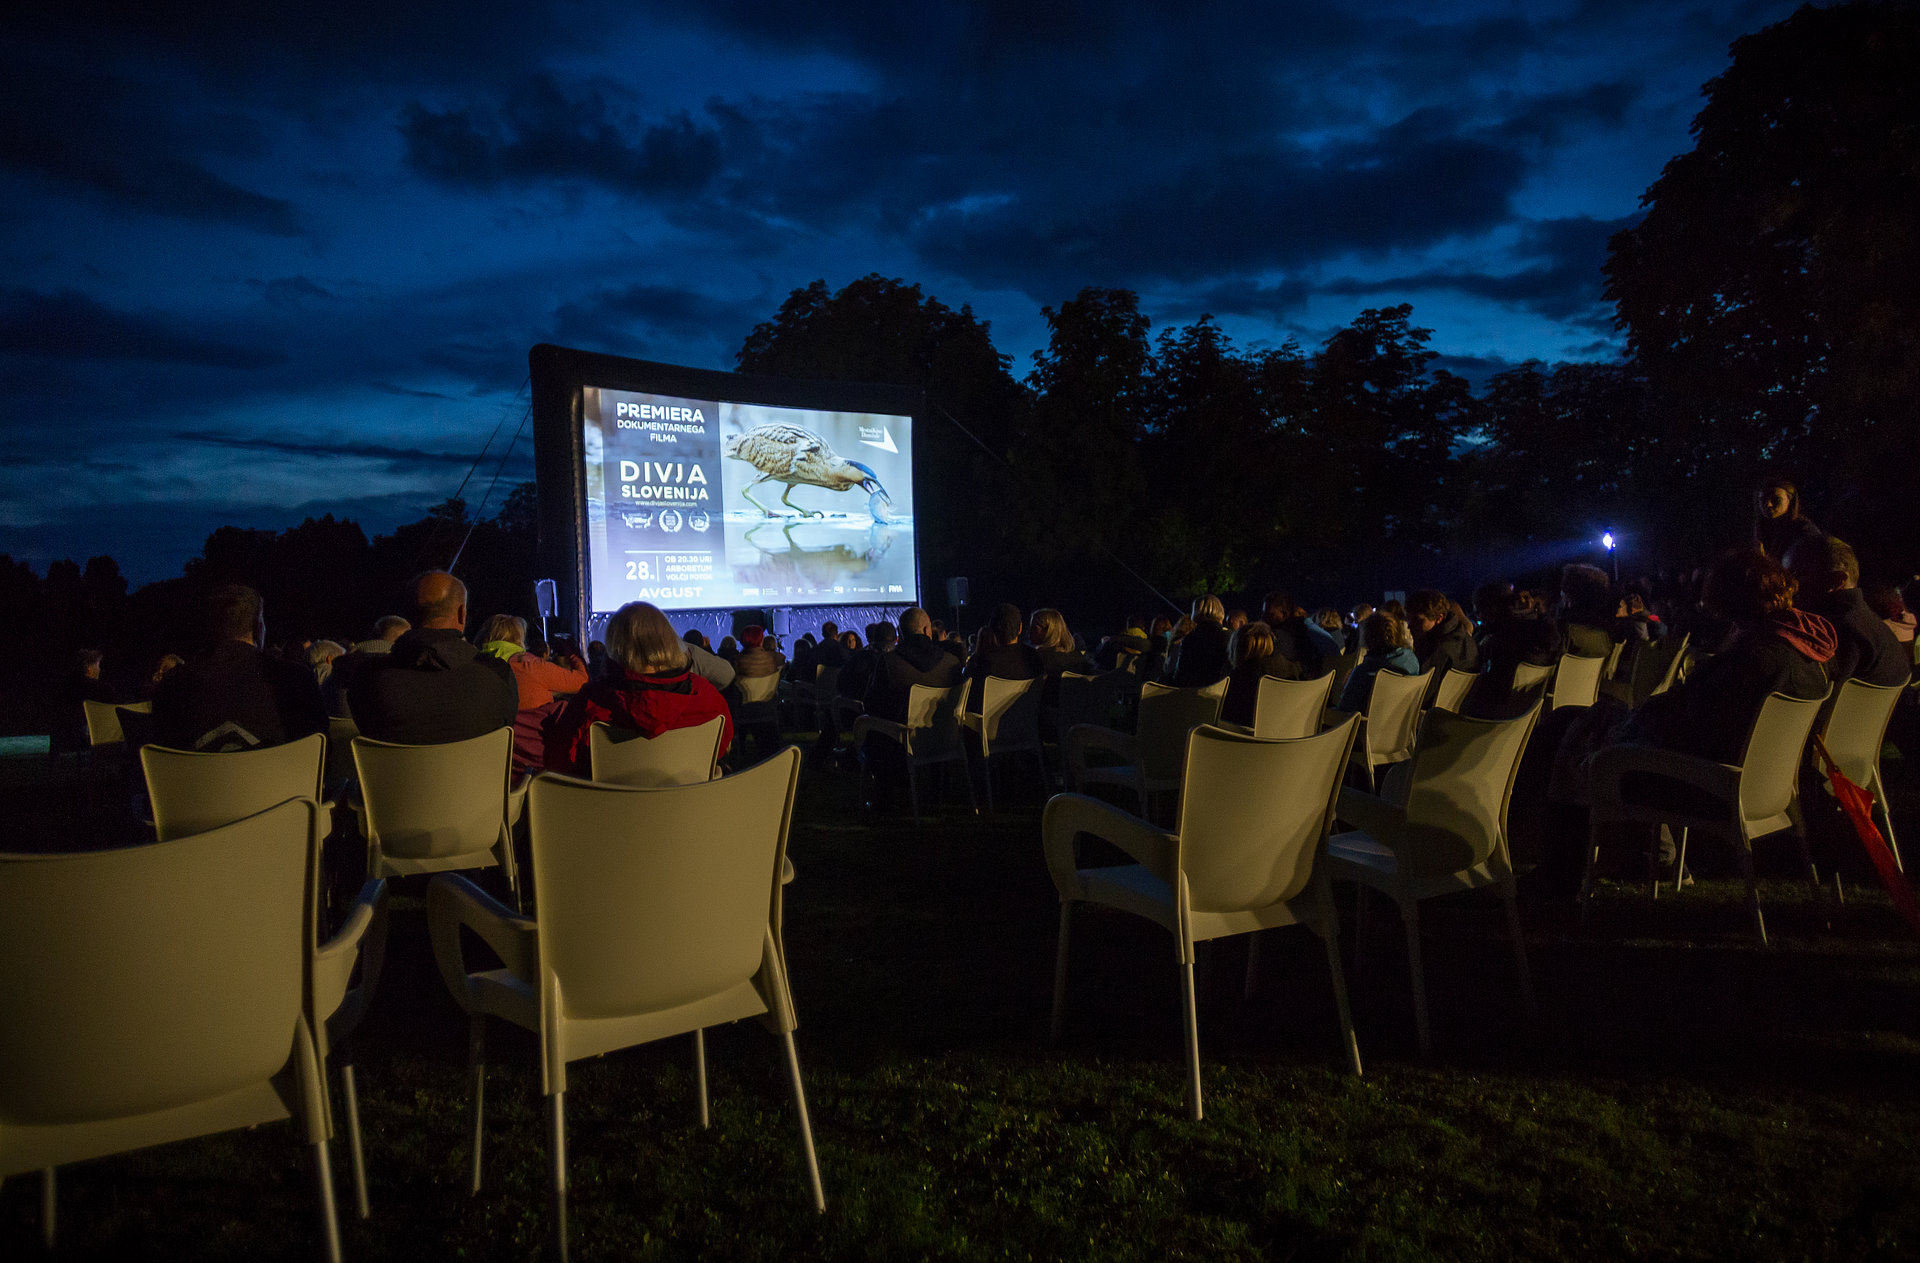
<point x="797" y="457"/>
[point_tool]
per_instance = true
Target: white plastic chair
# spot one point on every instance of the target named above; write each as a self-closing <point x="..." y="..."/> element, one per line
<point x="1576" y="681"/>
<point x="340" y="735"/>
<point x="1008" y="722"/>
<point x="1342" y="669"/>
<point x="437" y="808"/>
<point x="1526" y="675"/>
<point x="1856" y="729"/>
<point x="161" y="992"/>
<point x="1448" y="833"/>
<point x="678" y="756"/>
<point x="826" y="695"/>
<point x="103" y="721"/>
<point x="1451" y="692"/>
<point x="192" y="791"/>
<point x="1089" y="699"/>
<point x="759" y="706"/>
<point x="660" y="915"/>
<point x="1391" y="723"/>
<point x="1752" y="799"/>
<point x="930" y="736"/>
<point x="1153" y="759"/>
<point x="1254" y="816"/>
<point x="1649" y="672"/>
<point x="1287" y="709"/>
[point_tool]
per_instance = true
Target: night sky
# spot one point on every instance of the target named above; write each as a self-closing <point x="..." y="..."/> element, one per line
<point x="261" y="264"/>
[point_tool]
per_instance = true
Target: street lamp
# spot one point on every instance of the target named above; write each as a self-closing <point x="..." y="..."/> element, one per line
<point x="1608" y="542"/>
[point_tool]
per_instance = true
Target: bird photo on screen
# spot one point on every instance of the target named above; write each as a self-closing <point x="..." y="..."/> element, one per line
<point x="801" y="458"/>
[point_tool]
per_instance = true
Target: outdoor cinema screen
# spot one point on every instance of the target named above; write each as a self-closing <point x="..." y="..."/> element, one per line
<point x="723" y="497"/>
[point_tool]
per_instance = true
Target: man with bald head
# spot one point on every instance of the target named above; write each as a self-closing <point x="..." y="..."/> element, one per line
<point x="433" y="686"/>
<point x="916" y="659"/>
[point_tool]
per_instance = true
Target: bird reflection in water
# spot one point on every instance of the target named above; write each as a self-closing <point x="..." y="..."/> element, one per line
<point x="809" y="569"/>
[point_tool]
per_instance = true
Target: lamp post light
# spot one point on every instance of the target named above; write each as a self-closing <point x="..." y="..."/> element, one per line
<point x="1608" y="542"/>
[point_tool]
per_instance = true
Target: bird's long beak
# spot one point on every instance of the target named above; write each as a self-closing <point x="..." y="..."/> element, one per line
<point x="872" y="487"/>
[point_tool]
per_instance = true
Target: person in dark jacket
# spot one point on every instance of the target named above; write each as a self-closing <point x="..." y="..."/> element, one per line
<point x="1293" y="644"/>
<point x="1002" y="653"/>
<point x="434" y="687"/>
<point x="1253" y="647"/>
<point x="1201" y="657"/>
<point x="237" y="697"/>
<point x="916" y="659"/>
<point x="386" y="629"/>
<point x="1588" y="610"/>
<point x="1442" y="634"/>
<point x="1516" y="630"/>
<point x="1828" y="575"/>
<point x="1778" y="522"/>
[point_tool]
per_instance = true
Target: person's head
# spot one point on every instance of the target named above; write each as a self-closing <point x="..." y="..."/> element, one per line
<point x="1162" y="625"/>
<point x="87" y="662"/>
<point x="1330" y="619"/>
<point x="640" y="639"/>
<point x="751" y="635"/>
<point x="1885" y="601"/>
<point x="1427" y="609"/>
<point x="916" y="622"/>
<point x="321" y="652"/>
<point x="850" y="639"/>
<point x="1276" y="607"/>
<point x="883" y="637"/>
<point x="536" y="643"/>
<point x="693" y="637"/>
<point x="1492" y="599"/>
<point x="1381" y="632"/>
<point x="729" y="647"/>
<point x="390" y="627"/>
<point x="1823" y="564"/>
<point x="1005" y="623"/>
<point x="1745" y="583"/>
<point x="168" y="661"/>
<point x="829" y="631"/>
<point x="235" y="612"/>
<point x="439" y="601"/>
<point x="1049" y="630"/>
<point x="1236" y="619"/>
<point x="1361" y="612"/>
<point x="505" y="627"/>
<point x="1255" y="643"/>
<point x="1587" y="593"/>
<point x="1133" y="623"/>
<point x="1183" y="628"/>
<point x="1778" y="498"/>
<point x="1209" y="609"/>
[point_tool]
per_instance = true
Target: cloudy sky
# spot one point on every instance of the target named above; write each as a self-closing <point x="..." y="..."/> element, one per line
<point x="265" y="261"/>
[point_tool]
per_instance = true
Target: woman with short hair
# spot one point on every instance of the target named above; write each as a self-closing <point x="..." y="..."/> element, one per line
<point x="648" y="689"/>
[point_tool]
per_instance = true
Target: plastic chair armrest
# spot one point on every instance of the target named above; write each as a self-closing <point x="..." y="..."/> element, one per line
<point x="1082" y="738"/>
<point x="453" y="901"/>
<point x="1069" y="815"/>
<point x="892" y="731"/>
<point x="1722" y="780"/>
<point x="362" y="938"/>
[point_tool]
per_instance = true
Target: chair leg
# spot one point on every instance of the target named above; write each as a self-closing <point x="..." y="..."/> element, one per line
<point x="355" y="1153"/>
<point x="1813" y="874"/>
<point x="986" y="770"/>
<point x="806" y="1127"/>
<point x="1653" y="865"/>
<point x="1753" y="891"/>
<point x="1410" y="914"/>
<point x="1253" y="966"/>
<point x="700" y="1073"/>
<point x="477" y="1072"/>
<point x="1060" y="973"/>
<point x="329" y="1216"/>
<point x="966" y="774"/>
<point x="1519" y="949"/>
<point x="1886" y="822"/>
<point x="49" y="1208"/>
<point x="1359" y="927"/>
<point x="557" y="1143"/>
<point x="1586" y="872"/>
<point x="1331" y="939"/>
<point x="913" y="790"/>
<point x="1680" y="868"/>
<point x="1191" y="1019"/>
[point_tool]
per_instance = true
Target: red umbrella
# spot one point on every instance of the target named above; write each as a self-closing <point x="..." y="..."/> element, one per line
<point x="1858" y="804"/>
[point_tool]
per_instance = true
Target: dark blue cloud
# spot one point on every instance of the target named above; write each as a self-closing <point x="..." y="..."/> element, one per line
<point x="68" y="325"/>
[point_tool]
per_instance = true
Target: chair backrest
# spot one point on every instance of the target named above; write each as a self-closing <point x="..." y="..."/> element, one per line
<point x="103" y="723"/>
<point x="142" y="979"/>
<point x="757" y="689"/>
<point x="435" y="801"/>
<point x="1253" y="813"/>
<point x="1167" y="715"/>
<point x="1091" y="699"/>
<point x="1576" y="682"/>
<point x="193" y="791"/>
<point x="652" y="898"/>
<point x="933" y="715"/>
<point x="678" y="756"/>
<point x="1393" y="714"/>
<point x="1857" y="725"/>
<point x="1770" y="766"/>
<point x="1673" y="664"/>
<point x="1286" y="709"/>
<point x="138" y="727"/>
<point x="1009" y="712"/>
<point x="1457" y="793"/>
<point x="1451" y="693"/>
<point x="340" y="735"/>
<point x="1343" y="666"/>
<point x="1527" y="675"/>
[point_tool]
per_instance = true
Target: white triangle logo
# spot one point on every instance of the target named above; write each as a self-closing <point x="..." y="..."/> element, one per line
<point x="884" y="442"/>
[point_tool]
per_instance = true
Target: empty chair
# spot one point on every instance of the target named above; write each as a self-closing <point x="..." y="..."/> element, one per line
<point x="1855" y="730"/>
<point x="660" y="915"/>
<point x="826" y="694"/>
<point x="193" y="791"/>
<point x="1447" y="832"/>
<point x="1576" y="681"/>
<point x="930" y="736"/>
<point x="159" y="993"/>
<point x="1245" y="857"/>
<point x="1527" y="675"/>
<point x="1741" y="802"/>
<point x="103" y="722"/>
<point x="1285" y="709"/>
<point x="1150" y="762"/>
<point x="678" y="756"/>
<point x="1451" y="691"/>
<point x="1392" y="721"/>
<point x="1088" y="699"/>
<point x="437" y="808"/>
<point x="1008" y="722"/>
<point x="759" y="706"/>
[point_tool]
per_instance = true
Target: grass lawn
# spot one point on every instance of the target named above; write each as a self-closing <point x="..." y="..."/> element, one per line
<point x="1684" y="1094"/>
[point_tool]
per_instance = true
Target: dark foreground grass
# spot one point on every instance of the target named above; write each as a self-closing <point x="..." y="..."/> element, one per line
<point x="1683" y="1095"/>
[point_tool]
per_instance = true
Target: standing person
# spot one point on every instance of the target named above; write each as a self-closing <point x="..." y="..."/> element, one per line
<point x="1778" y="520"/>
<point x="433" y="686"/>
<point x="648" y="689"/>
<point x="237" y="697"/>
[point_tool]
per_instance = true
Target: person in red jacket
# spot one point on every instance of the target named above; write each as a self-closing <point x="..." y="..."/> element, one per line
<point x="648" y="689"/>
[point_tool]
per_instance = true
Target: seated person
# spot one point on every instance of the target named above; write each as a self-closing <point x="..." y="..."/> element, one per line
<point x="237" y="697"/>
<point x="1050" y="638"/>
<point x="1388" y="646"/>
<point x="1442" y="634"/>
<point x="386" y="630"/>
<point x="1886" y="602"/>
<point x="1123" y="647"/>
<point x="1297" y="652"/>
<point x="1200" y="658"/>
<point x="1587" y="616"/>
<point x="856" y="673"/>
<point x="1828" y="576"/>
<point x="648" y="689"/>
<point x="1516" y="631"/>
<point x="757" y="656"/>
<point x="1001" y="653"/>
<point x="1252" y="648"/>
<point x="916" y="659"/>
<point x="433" y="686"/>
